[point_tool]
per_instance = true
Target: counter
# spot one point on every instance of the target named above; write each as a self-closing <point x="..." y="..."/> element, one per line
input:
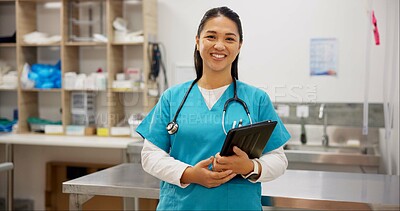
<point x="9" y="139"/>
<point x="295" y="189"/>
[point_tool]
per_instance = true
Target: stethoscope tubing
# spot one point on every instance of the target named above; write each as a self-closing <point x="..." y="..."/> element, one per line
<point x="173" y="126"/>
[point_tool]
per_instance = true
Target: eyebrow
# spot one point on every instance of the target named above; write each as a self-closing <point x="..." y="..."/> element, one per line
<point x="214" y="32"/>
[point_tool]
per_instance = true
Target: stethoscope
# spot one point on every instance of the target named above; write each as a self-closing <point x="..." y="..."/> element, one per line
<point x="173" y="126"/>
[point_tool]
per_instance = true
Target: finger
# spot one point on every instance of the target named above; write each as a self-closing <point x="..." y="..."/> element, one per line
<point x="221" y="160"/>
<point x="221" y="174"/>
<point x="206" y="162"/>
<point x="238" y="151"/>
<point x="214" y="165"/>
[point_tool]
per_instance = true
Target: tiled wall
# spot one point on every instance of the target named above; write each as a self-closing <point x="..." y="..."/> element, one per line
<point x="340" y="114"/>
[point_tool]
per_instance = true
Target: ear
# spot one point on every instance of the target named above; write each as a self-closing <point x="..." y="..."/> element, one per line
<point x="240" y="45"/>
<point x="197" y="43"/>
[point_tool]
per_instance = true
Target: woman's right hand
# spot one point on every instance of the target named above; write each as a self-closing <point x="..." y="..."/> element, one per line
<point x="200" y="174"/>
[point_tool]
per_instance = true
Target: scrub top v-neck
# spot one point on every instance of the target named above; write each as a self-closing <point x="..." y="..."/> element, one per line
<point x="200" y="136"/>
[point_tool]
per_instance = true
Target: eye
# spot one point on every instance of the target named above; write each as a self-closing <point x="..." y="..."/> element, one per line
<point x="210" y="37"/>
<point x="230" y="39"/>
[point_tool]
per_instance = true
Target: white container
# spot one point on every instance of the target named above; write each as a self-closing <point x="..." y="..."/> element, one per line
<point x="101" y="81"/>
<point x="69" y="80"/>
<point x="133" y="74"/>
<point x="120" y="76"/>
<point x="120" y="131"/>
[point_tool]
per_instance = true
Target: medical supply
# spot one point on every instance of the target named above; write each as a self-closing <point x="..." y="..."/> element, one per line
<point x="133" y="74"/>
<point x="9" y="80"/>
<point x="101" y="81"/>
<point x="83" y="25"/>
<point x="173" y="126"/>
<point x="120" y="131"/>
<point x="102" y="131"/>
<point x="53" y="129"/>
<point x="75" y="130"/>
<point x="45" y="76"/>
<point x="120" y="76"/>
<point x="83" y="103"/>
<point x="69" y="80"/>
<point x="83" y="109"/>
<point x="40" y="38"/>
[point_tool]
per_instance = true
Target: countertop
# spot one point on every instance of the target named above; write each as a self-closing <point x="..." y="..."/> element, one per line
<point x="295" y="189"/>
<point x="67" y="141"/>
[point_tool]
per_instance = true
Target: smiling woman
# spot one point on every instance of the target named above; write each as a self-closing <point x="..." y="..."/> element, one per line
<point x="186" y="156"/>
<point x="218" y="45"/>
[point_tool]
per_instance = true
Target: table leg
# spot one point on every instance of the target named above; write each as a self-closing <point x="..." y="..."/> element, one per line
<point x="10" y="178"/>
<point x="76" y="201"/>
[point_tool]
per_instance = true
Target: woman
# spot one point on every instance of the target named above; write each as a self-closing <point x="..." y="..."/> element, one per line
<point x="186" y="157"/>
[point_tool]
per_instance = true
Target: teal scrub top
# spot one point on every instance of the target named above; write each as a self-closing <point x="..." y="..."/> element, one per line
<point x="200" y="135"/>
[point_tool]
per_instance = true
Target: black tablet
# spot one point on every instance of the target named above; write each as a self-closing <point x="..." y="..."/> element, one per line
<point x="250" y="138"/>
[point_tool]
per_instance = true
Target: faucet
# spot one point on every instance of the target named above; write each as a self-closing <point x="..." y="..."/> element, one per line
<point x="323" y="114"/>
<point x="303" y="136"/>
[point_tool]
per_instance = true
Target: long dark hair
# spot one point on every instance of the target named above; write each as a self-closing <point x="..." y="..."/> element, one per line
<point x="212" y="13"/>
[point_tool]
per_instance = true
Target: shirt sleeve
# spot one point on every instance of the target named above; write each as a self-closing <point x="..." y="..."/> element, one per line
<point x="161" y="165"/>
<point x="273" y="165"/>
<point x="153" y="126"/>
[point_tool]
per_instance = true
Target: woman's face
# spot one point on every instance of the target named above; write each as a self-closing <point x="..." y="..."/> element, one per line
<point x="218" y="44"/>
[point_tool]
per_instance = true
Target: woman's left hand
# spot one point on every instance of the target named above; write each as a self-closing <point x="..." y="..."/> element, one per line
<point x="239" y="163"/>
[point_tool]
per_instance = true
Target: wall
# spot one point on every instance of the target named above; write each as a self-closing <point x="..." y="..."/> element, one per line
<point x="276" y="44"/>
<point x="275" y="51"/>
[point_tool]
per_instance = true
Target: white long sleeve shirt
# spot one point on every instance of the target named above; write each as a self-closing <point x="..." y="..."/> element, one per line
<point x="160" y="164"/>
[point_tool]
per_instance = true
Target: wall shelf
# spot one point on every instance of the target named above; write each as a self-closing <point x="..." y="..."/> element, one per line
<point x="85" y="44"/>
<point x="8" y="45"/>
<point x="33" y="15"/>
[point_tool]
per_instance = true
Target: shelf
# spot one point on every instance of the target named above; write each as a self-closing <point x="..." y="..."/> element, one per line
<point x="40" y="1"/>
<point x="79" y="53"/>
<point x="85" y="44"/>
<point x="127" y="43"/>
<point x="9" y="90"/>
<point x="41" y="90"/>
<point x="41" y="45"/>
<point x="8" y="44"/>
<point x="126" y="90"/>
<point x="84" y="90"/>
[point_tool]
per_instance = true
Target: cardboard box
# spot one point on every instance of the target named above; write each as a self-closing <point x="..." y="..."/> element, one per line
<point x="102" y="131"/>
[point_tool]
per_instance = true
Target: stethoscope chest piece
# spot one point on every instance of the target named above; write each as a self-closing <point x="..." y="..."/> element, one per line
<point x="172" y="127"/>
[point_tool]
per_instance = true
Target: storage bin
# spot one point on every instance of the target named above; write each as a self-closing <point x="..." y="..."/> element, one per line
<point x="83" y="103"/>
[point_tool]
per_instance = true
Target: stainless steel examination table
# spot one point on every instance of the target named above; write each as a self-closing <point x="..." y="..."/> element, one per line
<point x="295" y="189"/>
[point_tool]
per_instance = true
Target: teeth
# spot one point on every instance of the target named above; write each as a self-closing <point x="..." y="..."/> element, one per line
<point x="218" y="55"/>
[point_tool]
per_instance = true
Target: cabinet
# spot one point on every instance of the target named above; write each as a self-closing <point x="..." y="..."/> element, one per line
<point x="60" y="17"/>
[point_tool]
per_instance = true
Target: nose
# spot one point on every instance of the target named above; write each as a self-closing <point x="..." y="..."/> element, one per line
<point x="219" y="45"/>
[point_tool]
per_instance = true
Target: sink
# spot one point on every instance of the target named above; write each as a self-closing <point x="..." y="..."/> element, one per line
<point x="332" y="149"/>
<point x="348" y="150"/>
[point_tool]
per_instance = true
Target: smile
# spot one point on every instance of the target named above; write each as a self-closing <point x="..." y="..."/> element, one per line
<point x="219" y="56"/>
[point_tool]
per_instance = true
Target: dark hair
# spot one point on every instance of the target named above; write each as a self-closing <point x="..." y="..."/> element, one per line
<point x="212" y="13"/>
